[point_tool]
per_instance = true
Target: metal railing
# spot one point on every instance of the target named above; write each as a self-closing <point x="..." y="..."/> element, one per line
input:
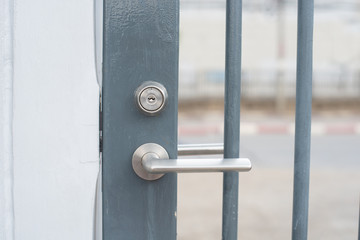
<point x="302" y="122"/>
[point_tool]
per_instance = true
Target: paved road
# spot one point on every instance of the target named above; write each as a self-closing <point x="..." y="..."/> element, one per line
<point x="266" y="192"/>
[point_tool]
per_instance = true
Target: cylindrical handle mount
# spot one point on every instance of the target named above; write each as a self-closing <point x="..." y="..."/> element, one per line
<point x="151" y="161"/>
<point x="200" y="149"/>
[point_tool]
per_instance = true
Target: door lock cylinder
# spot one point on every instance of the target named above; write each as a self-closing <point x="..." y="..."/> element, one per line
<point x="151" y="98"/>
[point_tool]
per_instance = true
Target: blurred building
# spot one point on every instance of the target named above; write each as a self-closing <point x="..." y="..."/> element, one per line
<point x="269" y="50"/>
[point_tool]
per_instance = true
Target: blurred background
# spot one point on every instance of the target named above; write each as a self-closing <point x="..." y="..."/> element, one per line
<point x="267" y="117"/>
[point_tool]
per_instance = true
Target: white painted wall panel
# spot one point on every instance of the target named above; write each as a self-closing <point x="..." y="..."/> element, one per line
<point x="55" y="120"/>
<point x="6" y="116"/>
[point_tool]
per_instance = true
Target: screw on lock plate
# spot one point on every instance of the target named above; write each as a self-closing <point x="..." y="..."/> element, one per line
<point x="151" y="97"/>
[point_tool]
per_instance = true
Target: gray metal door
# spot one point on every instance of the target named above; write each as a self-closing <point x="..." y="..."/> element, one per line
<point x="139" y="109"/>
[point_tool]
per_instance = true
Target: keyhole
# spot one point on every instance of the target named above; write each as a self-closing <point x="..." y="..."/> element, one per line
<point x="151" y="99"/>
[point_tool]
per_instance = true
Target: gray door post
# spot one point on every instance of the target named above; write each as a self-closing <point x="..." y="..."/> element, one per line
<point x="140" y="44"/>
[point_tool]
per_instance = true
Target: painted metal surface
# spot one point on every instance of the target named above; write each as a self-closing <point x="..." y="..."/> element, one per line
<point x="140" y="44"/>
<point x="303" y="119"/>
<point x="232" y="116"/>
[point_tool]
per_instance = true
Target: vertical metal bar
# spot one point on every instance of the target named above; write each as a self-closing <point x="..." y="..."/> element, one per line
<point x="303" y="119"/>
<point x="232" y="116"/>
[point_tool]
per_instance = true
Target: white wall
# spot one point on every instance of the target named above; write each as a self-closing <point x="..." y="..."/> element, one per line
<point x="55" y="126"/>
<point x="6" y="149"/>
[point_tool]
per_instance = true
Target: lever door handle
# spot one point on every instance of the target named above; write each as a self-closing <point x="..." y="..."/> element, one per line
<point x="151" y="161"/>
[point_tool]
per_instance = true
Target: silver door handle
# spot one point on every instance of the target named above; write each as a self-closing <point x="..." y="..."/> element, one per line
<point x="151" y="161"/>
<point x="200" y="149"/>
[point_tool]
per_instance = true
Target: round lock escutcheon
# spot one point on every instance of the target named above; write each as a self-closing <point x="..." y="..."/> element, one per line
<point x="151" y="97"/>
